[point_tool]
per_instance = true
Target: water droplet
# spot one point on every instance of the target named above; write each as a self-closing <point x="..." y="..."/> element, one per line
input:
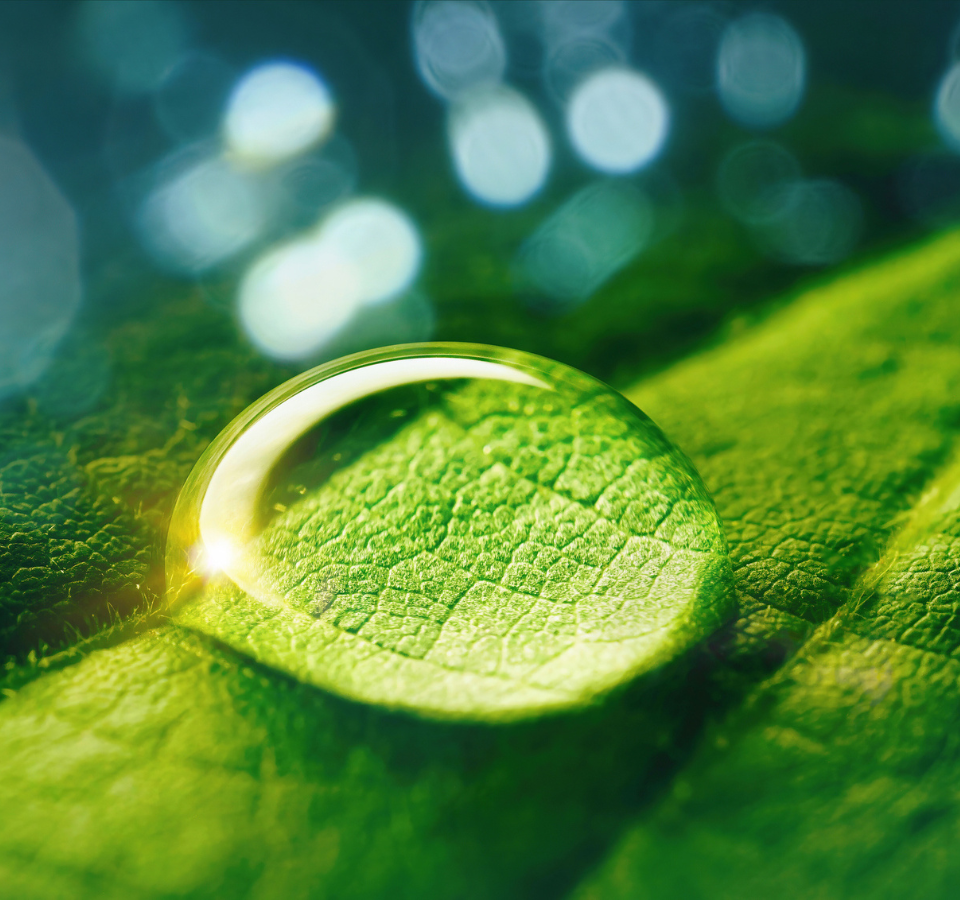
<point x="521" y="539"/>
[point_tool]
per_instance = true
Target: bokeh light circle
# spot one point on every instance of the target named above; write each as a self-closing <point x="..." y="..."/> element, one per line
<point x="761" y="70"/>
<point x="500" y="147"/>
<point x="458" y="46"/>
<point x="583" y="244"/>
<point x="276" y="111"/>
<point x="820" y="224"/>
<point x="202" y="215"/>
<point x="297" y="298"/>
<point x="40" y="258"/>
<point x="132" y="44"/>
<point x="380" y="241"/>
<point x="947" y="107"/>
<point x="617" y="120"/>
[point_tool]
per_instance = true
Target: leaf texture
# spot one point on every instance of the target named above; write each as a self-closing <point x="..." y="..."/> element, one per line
<point x="171" y="766"/>
<point x="512" y="551"/>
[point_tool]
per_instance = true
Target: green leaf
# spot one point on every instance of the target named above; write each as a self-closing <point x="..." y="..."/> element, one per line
<point x="511" y="551"/>
<point x="171" y="766"/>
<point x="851" y="752"/>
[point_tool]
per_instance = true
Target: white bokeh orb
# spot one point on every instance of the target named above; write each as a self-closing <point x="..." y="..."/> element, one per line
<point x="298" y="298"/>
<point x="277" y="111"/>
<point x="500" y="147"/>
<point x="617" y="120"/>
<point x="380" y="241"/>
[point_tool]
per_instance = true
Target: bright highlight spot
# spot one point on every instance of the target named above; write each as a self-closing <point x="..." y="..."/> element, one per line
<point x="39" y="257"/>
<point x="754" y="181"/>
<point x="277" y="111"/>
<point x="500" y="147"/>
<point x="585" y="242"/>
<point x="617" y="120"/>
<point x="458" y="46"/>
<point x="213" y="558"/>
<point x="820" y="224"/>
<point x="946" y="108"/>
<point x="132" y="44"/>
<point x="297" y="298"/>
<point x="380" y="241"/>
<point x="203" y="216"/>
<point x="761" y="69"/>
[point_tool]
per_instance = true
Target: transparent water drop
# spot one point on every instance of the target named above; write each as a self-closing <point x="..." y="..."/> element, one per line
<point x="454" y="530"/>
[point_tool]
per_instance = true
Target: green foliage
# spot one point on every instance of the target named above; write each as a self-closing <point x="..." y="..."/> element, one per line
<point x="510" y="551"/>
<point x="810" y="748"/>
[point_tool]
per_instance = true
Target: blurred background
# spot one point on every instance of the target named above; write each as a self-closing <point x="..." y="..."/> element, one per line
<point x="609" y="183"/>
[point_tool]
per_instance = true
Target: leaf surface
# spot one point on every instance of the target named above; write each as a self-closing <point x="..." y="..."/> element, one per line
<point x="168" y="765"/>
<point x="512" y="550"/>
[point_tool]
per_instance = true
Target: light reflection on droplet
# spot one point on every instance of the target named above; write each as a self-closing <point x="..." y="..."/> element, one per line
<point x="297" y="298"/>
<point x="458" y="46"/>
<point x="761" y="70"/>
<point x="345" y="468"/>
<point x="585" y="242"/>
<point x="820" y="223"/>
<point x="380" y="241"/>
<point x="752" y="181"/>
<point x="132" y="44"/>
<point x="500" y="147"/>
<point x="276" y="111"/>
<point x="40" y="288"/>
<point x="202" y="215"/>
<point x="617" y="120"/>
<point x="947" y="107"/>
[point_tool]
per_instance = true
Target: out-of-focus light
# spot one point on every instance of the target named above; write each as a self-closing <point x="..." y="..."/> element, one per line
<point x="500" y="147"/>
<point x="190" y="98"/>
<point x="458" y="46"/>
<point x="132" y="44"/>
<point x="761" y="70"/>
<point x="570" y="63"/>
<point x="617" y="120"/>
<point x="753" y="181"/>
<point x="590" y="238"/>
<point x="276" y="111"/>
<point x="39" y="256"/>
<point x="380" y="241"/>
<point x="820" y="224"/>
<point x="298" y="298"/>
<point x="203" y="215"/>
<point x="310" y="183"/>
<point x="946" y="109"/>
<point x="563" y="19"/>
